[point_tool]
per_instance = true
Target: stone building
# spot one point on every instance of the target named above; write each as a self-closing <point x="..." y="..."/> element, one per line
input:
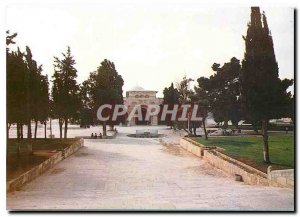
<point x="139" y="96"/>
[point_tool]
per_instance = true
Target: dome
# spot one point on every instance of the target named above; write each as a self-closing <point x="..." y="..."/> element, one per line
<point x="137" y="88"/>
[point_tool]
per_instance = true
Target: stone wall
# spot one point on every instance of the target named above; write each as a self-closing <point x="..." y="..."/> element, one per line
<point x="283" y="177"/>
<point x="192" y="146"/>
<point x="195" y="147"/>
<point x="250" y="175"/>
<point x="43" y="167"/>
<point x="233" y="167"/>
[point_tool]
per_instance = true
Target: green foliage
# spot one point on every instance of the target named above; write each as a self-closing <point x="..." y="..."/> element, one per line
<point x="106" y="85"/>
<point x="185" y="93"/>
<point x="103" y="87"/>
<point x="65" y="90"/>
<point x="27" y="88"/>
<point x="264" y="95"/>
<point x="171" y="95"/>
<point x="220" y="92"/>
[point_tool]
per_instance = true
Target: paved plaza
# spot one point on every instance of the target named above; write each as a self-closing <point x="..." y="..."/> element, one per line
<point x="137" y="173"/>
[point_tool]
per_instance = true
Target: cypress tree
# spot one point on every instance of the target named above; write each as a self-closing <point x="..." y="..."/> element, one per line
<point x="264" y="95"/>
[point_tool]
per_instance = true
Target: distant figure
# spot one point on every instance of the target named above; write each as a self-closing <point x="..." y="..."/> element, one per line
<point x="92" y="136"/>
<point x="100" y="135"/>
<point x="116" y="130"/>
<point x="286" y="130"/>
<point x="95" y="135"/>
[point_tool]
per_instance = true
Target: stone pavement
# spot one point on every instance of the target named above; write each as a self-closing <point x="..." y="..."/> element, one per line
<point x="137" y="173"/>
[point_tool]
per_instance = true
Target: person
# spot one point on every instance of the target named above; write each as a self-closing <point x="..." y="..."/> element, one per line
<point x="92" y="136"/>
<point x="116" y="130"/>
<point x="100" y="135"/>
<point x="95" y="135"/>
<point x="286" y="130"/>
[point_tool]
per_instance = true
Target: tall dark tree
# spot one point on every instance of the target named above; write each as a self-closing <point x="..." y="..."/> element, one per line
<point x="202" y="98"/>
<point x="16" y="70"/>
<point x="86" y="114"/>
<point x="105" y="88"/>
<point x="34" y="95"/>
<point x="27" y="89"/>
<point x="171" y="97"/>
<point x="65" y="90"/>
<point x="44" y="103"/>
<point x="264" y="95"/>
<point x="225" y="91"/>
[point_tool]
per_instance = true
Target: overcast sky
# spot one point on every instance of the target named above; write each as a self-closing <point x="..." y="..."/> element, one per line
<point x="151" y="45"/>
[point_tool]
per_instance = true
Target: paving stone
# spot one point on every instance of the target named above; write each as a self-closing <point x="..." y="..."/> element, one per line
<point x="130" y="173"/>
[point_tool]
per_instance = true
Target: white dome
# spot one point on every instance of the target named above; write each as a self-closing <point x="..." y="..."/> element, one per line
<point x="137" y="88"/>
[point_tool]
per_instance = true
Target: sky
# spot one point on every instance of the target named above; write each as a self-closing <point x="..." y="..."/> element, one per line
<point x="151" y="45"/>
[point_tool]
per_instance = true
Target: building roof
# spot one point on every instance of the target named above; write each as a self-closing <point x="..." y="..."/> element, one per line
<point x="137" y="88"/>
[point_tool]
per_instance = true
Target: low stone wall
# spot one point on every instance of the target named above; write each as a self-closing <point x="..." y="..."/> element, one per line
<point x="250" y="175"/>
<point x="283" y="177"/>
<point x="231" y="166"/>
<point x="192" y="146"/>
<point x="43" y="167"/>
<point x="195" y="147"/>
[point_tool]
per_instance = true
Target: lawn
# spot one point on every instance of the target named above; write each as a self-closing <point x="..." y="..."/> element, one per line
<point x="42" y="150"/>
<point x="249" y="149"/>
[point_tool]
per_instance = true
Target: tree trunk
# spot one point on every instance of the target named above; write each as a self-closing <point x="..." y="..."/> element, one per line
<point x="104" y="128"/>
<point x="45" y="129"/>
<point x="29" y="144"/>
<point x="7" y="130"/>
<point x="266" y="142"/>
<point x="194" y="129"/>
<point x="18" y="131"/>
<point x="204" y="128"/>
<point x="225" y="123"/>
<point x="51" y="127"/>
<point x="66" y="127"/>
<point x="35" y="129"/>
<point x="60" y="122"/>
<point x="111" y="127"/>
<point x="21" y="131"/>
<point x="29" y="130"/>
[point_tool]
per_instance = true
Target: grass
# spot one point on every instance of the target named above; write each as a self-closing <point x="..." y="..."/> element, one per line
<point x="249" y="149"/>
<point x="41" y="144"/>
<point x="42" y="150"/>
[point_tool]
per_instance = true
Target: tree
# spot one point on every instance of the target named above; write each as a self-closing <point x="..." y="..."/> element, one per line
<point x="86" y="114"/>
<point x="264" y="95"/>
<point x="171" y="97"/>
<point x="10" y="39"/>
<point x="105" y="87"/>
<point x="184" y="90"/>
<point x="34" y="81"/>
<point x="27" y="89"/>
<point x="65" y="90"/>
<point x="185" y="94"/>
<point x="44" y="103"/>
<point x="16" y="71"/>
<point x="202" y="97"/>
<point x="225" y="92"/>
